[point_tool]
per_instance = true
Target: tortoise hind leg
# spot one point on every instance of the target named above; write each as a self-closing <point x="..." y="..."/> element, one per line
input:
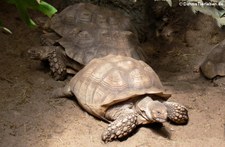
<point x="120" y="128"/>
<point x="62" y="92"/>
<point x="177" y="113"/>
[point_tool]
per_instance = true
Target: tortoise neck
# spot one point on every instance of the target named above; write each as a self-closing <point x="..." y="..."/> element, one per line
<point x="119" y="110"/>
<point x="141" y="109"/>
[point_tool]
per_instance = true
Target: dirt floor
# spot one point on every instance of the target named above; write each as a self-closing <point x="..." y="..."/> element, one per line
<point x="30" y="117"/>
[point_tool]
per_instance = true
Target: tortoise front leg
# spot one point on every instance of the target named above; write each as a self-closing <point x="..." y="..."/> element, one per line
<point x="121" y="127"/>
<point x="57" y="64"/>
<point x="56" y="57"/>
<point x="177" y="113"/>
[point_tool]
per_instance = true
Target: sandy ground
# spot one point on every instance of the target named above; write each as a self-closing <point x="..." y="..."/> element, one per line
<point x="30" y="117"/>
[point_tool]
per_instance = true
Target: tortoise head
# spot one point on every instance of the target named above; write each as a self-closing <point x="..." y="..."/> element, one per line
<point x="152" y="111"/>
<point x="40" y="53"/>
<point x="156" y="111"/>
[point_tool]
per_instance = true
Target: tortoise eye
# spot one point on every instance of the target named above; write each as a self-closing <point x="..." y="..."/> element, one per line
<point x="158" y="112"/>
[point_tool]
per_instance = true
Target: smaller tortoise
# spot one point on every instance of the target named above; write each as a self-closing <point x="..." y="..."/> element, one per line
<point x="123" y="91"/>
<point x="214" y="64"/>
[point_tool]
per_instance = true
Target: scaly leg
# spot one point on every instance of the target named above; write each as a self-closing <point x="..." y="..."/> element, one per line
<point x="55" y="57"/>
<point x="57" y="64"/>
<point x="121" y="127"/>
<point x="177" y="113"/>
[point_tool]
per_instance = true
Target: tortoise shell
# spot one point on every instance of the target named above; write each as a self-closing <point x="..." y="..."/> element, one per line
<point x="214" y="64"/>
<point x="107" y="81"/>
<point x="89" y="31"/>
<point x="85" y="15"/>
<point x="87" y="45"/>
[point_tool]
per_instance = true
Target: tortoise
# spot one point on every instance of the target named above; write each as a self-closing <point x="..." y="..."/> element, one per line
<point x="82" y="32"/>
<point x="214" y="64"/>
<point x="124" y="92"/>
<point x="139" y="11"/>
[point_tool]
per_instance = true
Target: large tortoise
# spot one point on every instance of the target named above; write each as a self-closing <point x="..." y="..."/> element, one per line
<point x="139" y="12"/>
<point x="82" y="32"/>
<point x="123" y="91"/>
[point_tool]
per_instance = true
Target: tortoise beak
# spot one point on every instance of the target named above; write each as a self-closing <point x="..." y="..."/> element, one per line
<point x="159" y="115"/>
<point x="160" y="120"/>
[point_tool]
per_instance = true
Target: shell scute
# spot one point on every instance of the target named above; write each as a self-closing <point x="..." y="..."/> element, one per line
<point x="115" y="80"/>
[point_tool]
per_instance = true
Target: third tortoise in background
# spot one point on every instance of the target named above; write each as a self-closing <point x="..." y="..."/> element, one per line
<point x="214" y="64"/>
